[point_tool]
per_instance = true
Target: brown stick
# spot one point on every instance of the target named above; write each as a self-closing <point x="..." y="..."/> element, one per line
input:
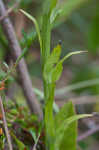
<point x="5" y="125"/>
<point x="22" y="68"/>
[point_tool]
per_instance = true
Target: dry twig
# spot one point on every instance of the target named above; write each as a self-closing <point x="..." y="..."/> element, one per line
<point x="5" y="125"/>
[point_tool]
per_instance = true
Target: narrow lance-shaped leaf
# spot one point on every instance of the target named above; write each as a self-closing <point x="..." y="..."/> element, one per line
<point x="53" y="4"/>
<point x="55" y="55"/>
<point x="56" y="72"/>
<point x="68" y="121"/>
<point x="70" y="54"/>
<point x="53" y="58"/>
<point x="48" y="6"/>
<point x="54" y="15"/>
<point x="51" y="61"/>
<point x="36" y="26"/>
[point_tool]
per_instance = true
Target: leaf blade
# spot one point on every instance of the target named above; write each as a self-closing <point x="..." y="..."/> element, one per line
<point x="36" y="26"/>
<point x="67" y="111"/>
<point x="52" y="60"/>
<point x="70" y="54"/>
<point x="66" y="126"/>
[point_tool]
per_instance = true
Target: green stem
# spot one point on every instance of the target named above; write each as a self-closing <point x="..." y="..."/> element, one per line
<point x="48" y="114"/>
<point x="46" y="35"/>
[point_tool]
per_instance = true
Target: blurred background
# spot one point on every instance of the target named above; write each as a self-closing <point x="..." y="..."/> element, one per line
<point x="80" y="79"/>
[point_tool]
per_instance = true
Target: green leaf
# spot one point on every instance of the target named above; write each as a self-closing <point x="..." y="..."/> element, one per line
<point x="54" y="15"/>
<point x="46" y="29"/>
<point x="53" y="4"/>
<point x="46" y="6"/>
<point x="49" y="5"/>
<point x="70" y="54"/>
<point x="33" y="133"/>
<point x="67" y="111"/>
<point x="68" y="121"/>
<point x="36" y="26"/>
<point x="53" y="74"/>
<point x="67" y="128"/>
<point x="54" y="57"/>
<point x="56" y="72"/>
<point x="51" y="61"/>
<point x="28" y="38"/>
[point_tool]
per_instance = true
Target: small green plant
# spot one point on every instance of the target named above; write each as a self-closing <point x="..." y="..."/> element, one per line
<point x="60" y="129"/>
